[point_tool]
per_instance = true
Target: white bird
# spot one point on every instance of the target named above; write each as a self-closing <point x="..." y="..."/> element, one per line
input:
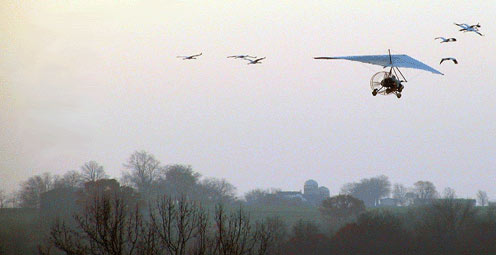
<point x="470" y="28"/>
<point x="445" y="59"/>
<point x="241" y="56"/>
<point x="255" y="61"/>
<point x="190" y="57"/>
<point x="443" y="40"/>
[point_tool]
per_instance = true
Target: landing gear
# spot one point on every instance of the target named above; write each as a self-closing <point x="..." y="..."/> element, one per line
<point x="400" y="88"/>
<point x="374" y="92"/>
<point x="398" y="95"/>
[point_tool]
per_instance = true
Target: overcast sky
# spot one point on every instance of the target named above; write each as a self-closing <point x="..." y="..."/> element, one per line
<point x="98" y="80"/>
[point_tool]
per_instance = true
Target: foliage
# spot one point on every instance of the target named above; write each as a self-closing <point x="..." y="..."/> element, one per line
<point x="376" y="232"/>
<point x="307" y="238"/>
<point x="338" y="208"/>
<point x="448" y="226"/>
<point x="178" y="180"/>
<point x="369" y="190"/>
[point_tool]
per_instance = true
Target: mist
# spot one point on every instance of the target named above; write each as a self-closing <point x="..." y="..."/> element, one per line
<point x="99" y="80"/>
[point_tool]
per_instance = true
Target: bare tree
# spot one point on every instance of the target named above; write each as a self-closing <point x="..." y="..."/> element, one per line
<point x="109" y="225"/>
<point x="234" y="234"/>
<point x="143" y="171"/>
<point x="71" y="179"/>
<point x="400" y="194"/>
<point x="449" y="193"/>
<point x="92" y="171"/>
<point x="13" y="199"/>
<point x="279" y="235"/>
<point x="482" y="198"/>
<point x="179" y="225"/>
<point x="425" y="190"/>
<point x="29" y="195"/>
<point x="3" y="198"/>
<point x="106" y="226"/>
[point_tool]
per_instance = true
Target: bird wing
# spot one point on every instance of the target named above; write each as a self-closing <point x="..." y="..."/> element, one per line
<point x="442" y="60"/>
<point x="478" y="33"/>
<point x="388" y="61"/>
<point x="197" y="55"/>
<point x="258" y="59"/>
<point x="442" y="38"/>
<point x="454" y="60"/>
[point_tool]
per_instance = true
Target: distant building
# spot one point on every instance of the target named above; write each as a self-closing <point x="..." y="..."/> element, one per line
<point x="312" y="193"/>
<point x="324" y="192"/>
<point x="290" y="194"/>
<point x="311" y="188"/>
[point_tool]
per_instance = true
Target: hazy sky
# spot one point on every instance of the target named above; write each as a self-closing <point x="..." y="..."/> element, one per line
<point x="97" y="80"/>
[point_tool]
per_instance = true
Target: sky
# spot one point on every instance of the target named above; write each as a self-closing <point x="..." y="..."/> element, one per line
<point x="98" y="80"/>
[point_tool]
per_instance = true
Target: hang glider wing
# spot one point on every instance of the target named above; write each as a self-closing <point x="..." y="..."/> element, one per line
<point x="385" y="61"/>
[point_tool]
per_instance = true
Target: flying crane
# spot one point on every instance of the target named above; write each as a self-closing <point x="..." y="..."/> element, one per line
<point x="254" y="61"/>
<point x="189" y="57"/>
<point x="469" y="28"/>
<point x="388" y="82"/>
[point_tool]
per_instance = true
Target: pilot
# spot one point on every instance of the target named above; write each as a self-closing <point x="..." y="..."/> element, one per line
<point x="397" y="84"/>
<point x="388" y="82"/>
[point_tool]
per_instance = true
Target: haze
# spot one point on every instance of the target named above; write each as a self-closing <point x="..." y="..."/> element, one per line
<point x="98" y="80"/>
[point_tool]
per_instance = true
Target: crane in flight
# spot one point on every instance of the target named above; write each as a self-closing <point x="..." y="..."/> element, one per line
<point x="241" y="56"/>
<point x="443" y="40"/>
<point x="446" y="59"/>
<point x="254" y="61"/>
<point x="470" y="28"/>
<point x="190" y="57"/>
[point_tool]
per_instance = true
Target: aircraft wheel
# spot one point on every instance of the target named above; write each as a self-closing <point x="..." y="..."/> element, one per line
<point x="374" y="92"/>
<point x="398" y="95"/>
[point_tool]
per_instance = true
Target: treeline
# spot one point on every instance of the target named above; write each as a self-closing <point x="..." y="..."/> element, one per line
<point x="149" y="177"/>
<point x="170" y="209"/>
<point x="143" y="173"/>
